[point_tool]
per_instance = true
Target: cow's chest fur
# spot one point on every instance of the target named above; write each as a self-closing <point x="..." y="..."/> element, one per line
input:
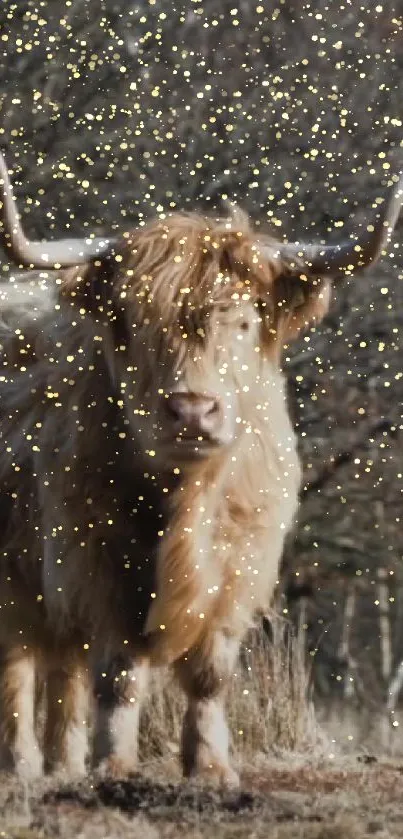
<point x="120" y="554"/>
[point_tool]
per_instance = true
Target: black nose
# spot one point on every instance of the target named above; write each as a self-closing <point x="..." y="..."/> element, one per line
<point x="194" y="413"/>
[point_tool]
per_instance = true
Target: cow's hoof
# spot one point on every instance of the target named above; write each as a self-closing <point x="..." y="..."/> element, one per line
<point x="115" y="767"/>
<point x="217" y="775"/>
<point x="71" y="771"/>
<point x="230" y="779"/>
<point x="29" y="767"/>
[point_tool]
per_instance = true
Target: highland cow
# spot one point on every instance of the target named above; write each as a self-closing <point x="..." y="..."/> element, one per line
<point x="148" y="468"/>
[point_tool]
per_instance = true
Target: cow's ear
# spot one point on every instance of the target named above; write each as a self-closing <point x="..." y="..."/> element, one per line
<point x="298" y="303"/>
<point x="309" y="303"/>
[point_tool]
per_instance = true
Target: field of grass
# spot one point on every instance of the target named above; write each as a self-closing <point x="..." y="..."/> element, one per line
<point x="295" y="782"/>
<point x="292" y="798"/>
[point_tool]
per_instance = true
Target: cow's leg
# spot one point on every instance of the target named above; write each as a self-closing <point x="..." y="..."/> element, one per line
<point x="17" y="704"/>
<point x="66" y="728"/>
<point x="117" y="718"/>
<point x="204" y="674"/>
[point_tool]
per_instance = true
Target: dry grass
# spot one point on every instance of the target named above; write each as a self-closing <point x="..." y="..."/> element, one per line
<point x="269" y="706"/>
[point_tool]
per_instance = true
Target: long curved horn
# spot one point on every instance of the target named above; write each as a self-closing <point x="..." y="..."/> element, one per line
<point x="354" y="254"/>
<point x="61" y="253"/>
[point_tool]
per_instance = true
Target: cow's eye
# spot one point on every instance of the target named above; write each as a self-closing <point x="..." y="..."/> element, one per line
<point x="245" y="326"/>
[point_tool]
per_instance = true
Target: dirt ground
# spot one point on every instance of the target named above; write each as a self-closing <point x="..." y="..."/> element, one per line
<point x="352" y="798"/>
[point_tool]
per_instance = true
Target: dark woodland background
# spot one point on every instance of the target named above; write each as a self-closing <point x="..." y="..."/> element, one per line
<point x="112" y="111"/>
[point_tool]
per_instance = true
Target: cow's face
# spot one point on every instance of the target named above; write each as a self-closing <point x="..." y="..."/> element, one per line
<point x="204" y="320"/>
<point x="191" y="394"/>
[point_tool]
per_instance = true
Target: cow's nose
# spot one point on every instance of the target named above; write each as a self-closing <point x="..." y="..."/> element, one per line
<point x="194" y="413"/>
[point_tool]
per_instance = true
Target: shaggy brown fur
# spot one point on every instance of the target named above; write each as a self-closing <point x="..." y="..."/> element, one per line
<point x="126" y="541"/>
